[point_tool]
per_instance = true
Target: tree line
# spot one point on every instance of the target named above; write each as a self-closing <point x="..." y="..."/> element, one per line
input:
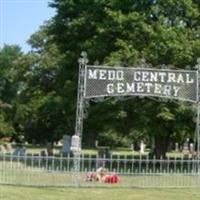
<point x="38" y="89"/>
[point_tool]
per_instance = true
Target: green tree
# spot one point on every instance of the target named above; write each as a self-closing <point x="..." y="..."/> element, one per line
<point x="8" y="88"/>
<point x="40" y="108"/>
<point x="110" y="31"/>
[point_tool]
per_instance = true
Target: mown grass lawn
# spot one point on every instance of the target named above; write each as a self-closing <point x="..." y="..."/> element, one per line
<point x="32" y="193"/>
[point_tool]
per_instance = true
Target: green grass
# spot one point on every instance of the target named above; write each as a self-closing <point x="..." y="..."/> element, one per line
<point x="30" y="193"/>
<point x="118" y="151"/>
<point x="37" y="178"/>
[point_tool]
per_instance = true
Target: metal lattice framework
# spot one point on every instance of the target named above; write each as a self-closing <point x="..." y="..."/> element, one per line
<point x="102" y="81"/>
<point x="99" y="83"/>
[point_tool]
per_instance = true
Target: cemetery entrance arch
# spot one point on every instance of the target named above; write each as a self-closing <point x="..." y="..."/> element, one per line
<point x="97" y="81"/>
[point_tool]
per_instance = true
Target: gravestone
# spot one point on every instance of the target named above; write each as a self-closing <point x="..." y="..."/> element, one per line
<point x="176" y="147"/>
<point x="142" y="147"/>
<point x="186" y="146"/>
<point x="66" y="145"/>
<point x="191" y="148"/>
<point x="19" y="151"/>
<point x="96" y="143"/>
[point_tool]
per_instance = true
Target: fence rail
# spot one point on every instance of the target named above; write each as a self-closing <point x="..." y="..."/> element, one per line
<point x="36" y="170"/>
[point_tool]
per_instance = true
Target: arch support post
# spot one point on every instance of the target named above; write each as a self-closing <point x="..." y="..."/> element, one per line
<point x="77" y="138"/>
<point x="80" y="96"/>
<point x="198" y="116"/>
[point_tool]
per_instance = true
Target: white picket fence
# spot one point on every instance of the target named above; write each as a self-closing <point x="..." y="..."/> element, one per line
<point x="36" y="170"/>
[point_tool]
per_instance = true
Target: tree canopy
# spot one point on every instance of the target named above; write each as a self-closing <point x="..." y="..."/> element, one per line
<point x="112" y="32"/>
<point x="161" y="32"/>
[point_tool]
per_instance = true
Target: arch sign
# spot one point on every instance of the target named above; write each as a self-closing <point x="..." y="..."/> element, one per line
<point x="102" y="81"/>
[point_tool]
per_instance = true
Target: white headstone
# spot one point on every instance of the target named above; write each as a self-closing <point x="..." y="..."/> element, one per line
<point x="20" y="151"/>
<point x="66" y="145"/>
<point x="75" y="143"/>
<point x="191" y="148"/>
<point x="96" y="143"/>
<point x="176" y="147"/>
<point x="186" y="146"/>
<point x="142" y="147"/>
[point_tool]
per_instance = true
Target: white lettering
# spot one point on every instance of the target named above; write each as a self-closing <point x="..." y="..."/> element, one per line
<point x="167" y="90"/>
<point x="148" y="86"/>
<point x="140" y="87"/>
<point x="188" y="80"/>
<point x="102" y="74"/>
<point x="145" y="82"/>
<point x="92" y="74"/>
<point x="176" y="90"/>
<point x="111" y="75"/>
<point x="130" y="88"/>
<point x="145" y="76"/>
<point x="120" y="88"/>
<point x="120" y="75"/>
<point x="157" y="88"/>
<point x="137" y="76"/>
<point x="180" y="79"/>
<point x="153" y="76"/>
<point x="162" y="76"/>
<point x="171" y="78"/>
<point x="110" y="88"/>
